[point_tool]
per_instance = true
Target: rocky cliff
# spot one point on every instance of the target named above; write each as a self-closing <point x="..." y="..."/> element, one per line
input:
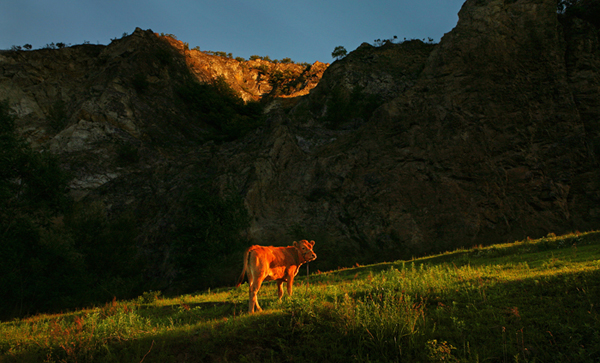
<point x="93" y="104"/>
<point x="491" y="135"/>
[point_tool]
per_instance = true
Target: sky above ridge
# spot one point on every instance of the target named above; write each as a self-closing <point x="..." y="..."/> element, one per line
<point x="303" y="30"/>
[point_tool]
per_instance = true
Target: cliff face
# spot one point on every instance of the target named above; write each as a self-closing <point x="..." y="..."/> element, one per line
<point x="491" y="135"/>
<point x="94" y="104"/>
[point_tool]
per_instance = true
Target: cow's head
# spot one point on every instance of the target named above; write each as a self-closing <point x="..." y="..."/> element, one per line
<point x="305" y="249"/>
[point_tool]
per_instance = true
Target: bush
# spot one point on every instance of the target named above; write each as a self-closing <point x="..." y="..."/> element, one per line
<point x="108" y="245"/>
<point x="219" y="106"/>
<point x="339" y="52"/>
<point x="208" y="234"/>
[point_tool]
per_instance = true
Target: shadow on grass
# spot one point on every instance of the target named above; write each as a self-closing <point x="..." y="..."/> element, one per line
<point x="225" y="339"/>
<point x="552" y="316"/>
<point x="544" y="318"/>
<point x="497" y="254"/>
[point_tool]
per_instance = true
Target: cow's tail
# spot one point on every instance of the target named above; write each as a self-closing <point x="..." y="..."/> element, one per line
<point x="241" y="279"/>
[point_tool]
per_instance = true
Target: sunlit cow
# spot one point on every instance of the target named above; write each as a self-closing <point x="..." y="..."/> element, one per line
<point x="274" y="263"/>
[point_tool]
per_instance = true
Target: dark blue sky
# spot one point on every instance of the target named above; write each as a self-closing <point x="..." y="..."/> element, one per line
<point x="305" y="31"/>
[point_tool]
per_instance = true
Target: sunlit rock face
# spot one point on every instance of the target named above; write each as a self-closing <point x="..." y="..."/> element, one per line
<point x="491" y="135"/>
<point x="252" y="79"/>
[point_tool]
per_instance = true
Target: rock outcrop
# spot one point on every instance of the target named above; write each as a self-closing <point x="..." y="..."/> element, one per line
<point x="492" y="135"/>
<point x="252" y="79"/>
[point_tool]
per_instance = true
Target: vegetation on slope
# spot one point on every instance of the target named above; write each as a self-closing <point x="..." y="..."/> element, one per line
<point x="220" y="107"/>
<point x="529" y="301"/>
<point x="56" y="254"/>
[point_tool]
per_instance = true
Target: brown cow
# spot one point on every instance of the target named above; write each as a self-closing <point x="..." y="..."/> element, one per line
<point x="274" y="263"/>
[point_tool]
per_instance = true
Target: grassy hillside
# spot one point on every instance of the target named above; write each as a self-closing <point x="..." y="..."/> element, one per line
<point x="529" y="301"/>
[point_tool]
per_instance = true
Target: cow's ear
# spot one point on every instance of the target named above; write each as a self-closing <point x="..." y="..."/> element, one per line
<point x="295" y="244"/>
<point x="312" y="243"/>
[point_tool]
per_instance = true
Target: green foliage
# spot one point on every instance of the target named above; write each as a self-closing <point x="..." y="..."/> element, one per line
<point x="263" y="68"/>
<point x="30" y="182"/>
<point x="149" y="297"/>
<point x="461" y="306"/>
<point x="219" y="54"/>
<point x="54" y="256"/>
<point x="209" y="233"/>
<point x="382" y="42"/>
<point x="265" y="58"/>
<point x="108" y="246"/>
<point x="58" y="45"/>
<point x="284" y="82"/>
<point x="32" y="193"/>
<point x="172" y="36"/>
<point x="339" y="52"/>
<point x="219" y="106"/>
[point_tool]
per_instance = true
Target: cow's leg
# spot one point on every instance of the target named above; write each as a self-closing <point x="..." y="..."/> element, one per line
<point x="253" y="296"/>
<point x="254" y="281"/>
<point x="289" y="285"/>
<point x="280" y="288"/>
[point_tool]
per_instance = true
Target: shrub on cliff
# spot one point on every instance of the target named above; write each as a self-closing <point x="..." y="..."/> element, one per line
<point x="339" y="52"/>
<point x="219" y="106"/>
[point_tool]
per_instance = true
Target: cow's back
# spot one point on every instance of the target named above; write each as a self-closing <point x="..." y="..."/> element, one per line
<point x="271" y="262"/>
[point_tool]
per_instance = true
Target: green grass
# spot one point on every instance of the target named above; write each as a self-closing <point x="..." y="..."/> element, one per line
<point x="528" y="301"/>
